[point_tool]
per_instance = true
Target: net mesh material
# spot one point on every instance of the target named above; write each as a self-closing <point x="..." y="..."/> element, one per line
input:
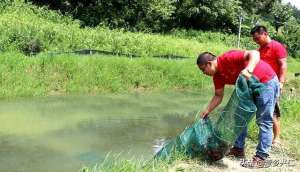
<point x="211" y="139"/>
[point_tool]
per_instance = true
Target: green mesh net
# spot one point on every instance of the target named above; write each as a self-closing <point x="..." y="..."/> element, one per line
<point x="211" y="139"/>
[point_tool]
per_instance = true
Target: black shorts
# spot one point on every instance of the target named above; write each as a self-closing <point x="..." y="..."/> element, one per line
<point x="277" y="110"/>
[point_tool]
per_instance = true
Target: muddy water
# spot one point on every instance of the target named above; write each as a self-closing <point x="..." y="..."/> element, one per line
<point x="65" y="133"/>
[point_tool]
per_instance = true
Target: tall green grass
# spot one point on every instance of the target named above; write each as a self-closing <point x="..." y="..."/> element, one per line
<point x="114" y="163"/>
<point x="211" y="38"/>
<point x="71" y="74"/>
<point x="290" y="124"/>
<point x="21" y="23"/>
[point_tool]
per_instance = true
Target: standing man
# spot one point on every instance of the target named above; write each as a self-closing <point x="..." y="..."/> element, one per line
<point x="225" y="70"/>
<point x="275" y="54"/>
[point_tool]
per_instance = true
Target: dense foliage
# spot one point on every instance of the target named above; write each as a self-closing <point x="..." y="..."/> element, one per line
<point x="157" y="15"/>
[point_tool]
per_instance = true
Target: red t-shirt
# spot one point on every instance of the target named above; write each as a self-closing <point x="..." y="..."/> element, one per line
<point x="271" y="53"/>
<point x="231" y="63"/>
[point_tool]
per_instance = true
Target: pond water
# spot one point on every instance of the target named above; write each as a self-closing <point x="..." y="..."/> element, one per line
<point x="66" y="133"/>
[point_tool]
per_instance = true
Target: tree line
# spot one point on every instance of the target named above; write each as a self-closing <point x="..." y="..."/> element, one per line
<point x="163" y="15"/>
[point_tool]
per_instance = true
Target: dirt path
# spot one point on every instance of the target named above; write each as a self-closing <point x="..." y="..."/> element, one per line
<point x="279" y="160"/>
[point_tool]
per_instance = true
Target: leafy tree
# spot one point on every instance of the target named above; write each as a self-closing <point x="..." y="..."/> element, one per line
<point x="296" y="12"/>
<point x="208" y="14"/>
<point x="281" y="14"/>
<point x="115" y="13"/>
<point x="163" y="15"/>
<point x="292" y="37"/>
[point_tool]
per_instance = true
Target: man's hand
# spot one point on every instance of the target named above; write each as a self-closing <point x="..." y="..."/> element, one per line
<point x="282" y="72"/>
<point x="246" y="73"/>
<point x="280" y="86"/>
<point x="215" y="101"/>
<point x="204" y="114"/>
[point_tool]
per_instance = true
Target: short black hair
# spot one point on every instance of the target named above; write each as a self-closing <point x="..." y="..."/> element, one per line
<point x="204" y="57"/>
<point x="260" y="29"/>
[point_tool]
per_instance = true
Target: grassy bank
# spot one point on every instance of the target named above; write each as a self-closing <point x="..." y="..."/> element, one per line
<point x="24" y="27"/>
<point x="70" y="74"/>
<point x="116" y="164"/>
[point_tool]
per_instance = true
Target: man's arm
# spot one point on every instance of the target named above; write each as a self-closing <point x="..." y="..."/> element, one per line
<point x="253" y="57"/>
<point x="215" y="101"/>
<point x="282" y="71"/>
